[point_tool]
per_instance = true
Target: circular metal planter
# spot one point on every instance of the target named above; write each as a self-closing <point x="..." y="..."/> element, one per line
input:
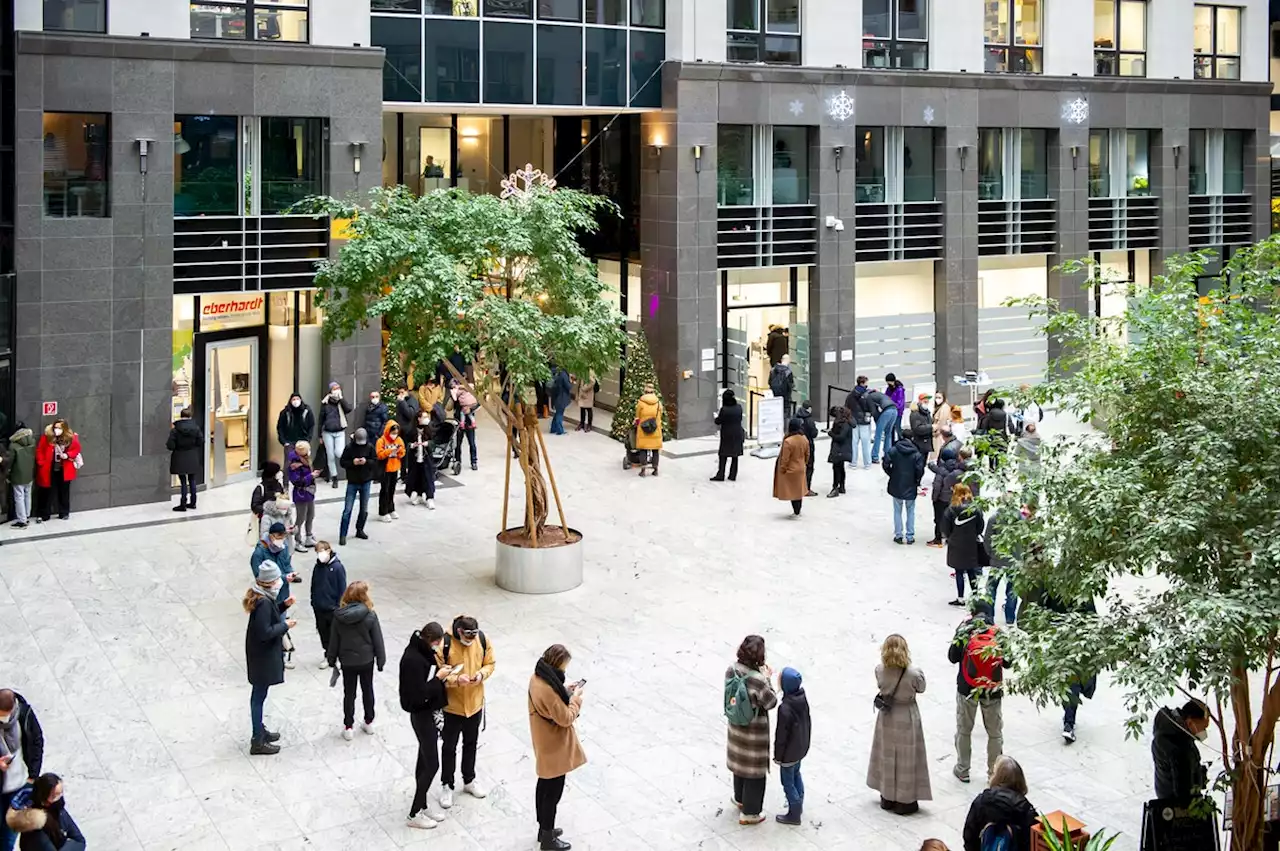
<point x="549" y="570"/>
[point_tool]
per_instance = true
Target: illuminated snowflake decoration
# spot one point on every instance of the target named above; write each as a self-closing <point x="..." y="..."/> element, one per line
<point x="797" y="108"/>
<point x="840" y="107"/>
<point x="1075" y="111"/>
<point x="928" y="115"/>
<point x="524" y="182"/>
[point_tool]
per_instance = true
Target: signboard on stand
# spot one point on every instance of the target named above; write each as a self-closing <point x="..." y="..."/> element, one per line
<point x="772" y="429"/>
<point x="1169" y="825"/>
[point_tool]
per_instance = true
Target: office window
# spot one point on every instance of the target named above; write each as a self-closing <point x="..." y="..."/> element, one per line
<point x="402" y="66"/>
<point x="207" y="179"/>
<point x="292" y="161"/>
<point x="735" y="165"/>
<point x="895" y="34"/>
<point x="1119" y="163"/>
<point x="84" y="16"/>
<point x="406" y="6"/>
<point x="611" y="12"/>
<point x="1217" y="162"/>
<point x="1033" y="163"/>
<point x="508" y="62"/>
<point x="893" y="165"/>
<point x="777" y="41"/>
<point x="508" y="9"/>
<point x="1013" y="37"/>
<point x="990" y="164"/>
<point x="1120" y="38"/>
<point x="649" y="13"/>
<point x="262" y="20"/>
<point x="1099" y="164"/>
<point x="791" y="165"/>
<point x="1217" y="42"/>
<point x="1233" y="162"/>
<point x="648" y="49"/>
<point x="77" y="165"/>
<point x="606" y="67"/>
<point x="917" y="164"/>
<point x="1198" y="168"/>
<point x="560" y="10"/>
<point x="1137" y="144"/>
<point x="453" y="8"/>
<point x="869" y="166"/>
<point x="452" y="51"/>
<point x="559" y="65"/>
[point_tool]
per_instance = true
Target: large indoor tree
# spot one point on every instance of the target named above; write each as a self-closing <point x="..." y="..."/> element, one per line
<point x="501" y="278"/>
<point x="1167" y="514"/>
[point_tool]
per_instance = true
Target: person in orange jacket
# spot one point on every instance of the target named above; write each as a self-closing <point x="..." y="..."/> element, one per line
<point x="390" y="451"/>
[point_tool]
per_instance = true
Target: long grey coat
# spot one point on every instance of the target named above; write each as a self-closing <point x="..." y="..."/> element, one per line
<point x="899" y="767"/>
<point x="749" y="746"/>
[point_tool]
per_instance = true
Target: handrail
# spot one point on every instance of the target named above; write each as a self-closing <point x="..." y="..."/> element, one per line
<point x="831" y="387"/>
<point x="751" y="412"/>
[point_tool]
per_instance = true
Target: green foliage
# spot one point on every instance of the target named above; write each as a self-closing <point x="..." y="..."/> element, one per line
<point x="639" y="372"/>
<point x="393" y="377"/>
<point x="1059" y="841"/>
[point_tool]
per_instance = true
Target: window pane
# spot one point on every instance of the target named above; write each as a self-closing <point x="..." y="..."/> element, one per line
<point x="293" y="161"/>
<point x="606" y="67"/>
<point x="912" y="56"/>
<point x="86" y="16"/>
<point x="1099" y="164"/>
<point x="280" y="25"/>
<point x="1233" y="162"/>
<point x="456" y="8"/>
<point x="560" y="10"/>
<point x="402" y="67"/>
<point x="735" y="184"/>
<point x="782" y="49"/>
<point x="648" y="13"/>
<point x="743" y="47"/>
<point x="1198" y="169"/>
<point x="1227" y="69"/>
<point x="452" y="61"/>
<point x="1203" y="29"/>
<point x="76" y="165"/>
<point x="1133" y="25"/>
<point x="869" y="166"/>
<point x="744" y="14"/>
<point x="606" y="11"/>
<point x="995" y="23"/>
<point x="559" y="65"/>
<point x="1026" y="22"/>
<point x="790" y="165"/>
<point x="206" y="178"/>
<point x="1104" y="23"/>
<point x="647" y="52"/>
<point x="1035" y="163"/>
<point x="876" y="20"/>
<point x="783" y="16"/>
<point x="217" y="21"/>
<point x="1133" y="65"/>
<point x="1228" y="31"/>
<point x="990" y="165"/>
<point x="396" y="5"/>
<point x="508" y="63"/>
<point x="917" y="164"/>
<point x="913" y="19"/>
<point x="507" y="9"/>
<point x="1138" y="166"/>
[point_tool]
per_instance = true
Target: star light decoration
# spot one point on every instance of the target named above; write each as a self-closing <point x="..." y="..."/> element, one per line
<point x="524" y="182"/>
<point x="1075" y="111"/>
<point x="840" y="107"/>
<point x="797" y="108"/>
<point x="928" y="115"/>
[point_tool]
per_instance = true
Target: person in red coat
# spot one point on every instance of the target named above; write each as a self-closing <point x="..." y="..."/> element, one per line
<point x="57" y="461"/>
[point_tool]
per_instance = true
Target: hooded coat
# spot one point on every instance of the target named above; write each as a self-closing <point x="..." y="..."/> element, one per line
<point x="32" y="736"/>
<point x="355" y="639"/>
<point x="899" y="767"/>
<point x="732" y="435"/>
<point x="805" y="416"/>
<point x="921" y="429"/>
<point x="1000" y="806"/>
<point x="30" y="821"/>
<point x="776" y="345"/>
<point x="962" y="527"/>
<point x="295" y="424"/>
<point x="904" y="465"/>
<point x="560" y="389"/>
<point x="21" y="457"/>
<point x="186" y="448"/>
<point x="1179" y="772"/>
<point x="794" y="728"/>
<point x="264" y="642"/>
<point x="961" y="472"/>
<point x="420" y="689"/>
<point x="841" y="433"/>
<point x="648" y="407"/>
<point x="301" y="477"/>
<point x="70" y="442"/>
<point x="782" y="380"/>
<point x="328" y="581"/>
<point x="788" y="471"/>
<point x="897" y="392"/>
<point x="390" y="450"/>
<point x="283" y="560"/>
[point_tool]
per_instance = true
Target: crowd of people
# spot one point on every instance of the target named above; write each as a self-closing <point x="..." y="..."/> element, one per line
<point x="39" y="471"/>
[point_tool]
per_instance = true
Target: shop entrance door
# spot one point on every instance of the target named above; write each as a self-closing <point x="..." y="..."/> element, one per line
<point x="232" y="399"/>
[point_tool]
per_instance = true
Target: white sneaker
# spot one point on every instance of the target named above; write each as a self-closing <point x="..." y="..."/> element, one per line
<point x="431" y="505"/>
<point x="475" y="790"/>
<point x="433" y="815"/>
<point x="311" y="541"/>
<point x="366" y="727"/>
<point x="395" y="516"/>
<point x="290" y="664"/>
<point x="386" y="518"/>
<point x="421" y="821"/>
<point x="347" y="734"/>
<point x="446" y="798"/>
<point x="324" y="663"/>
<point x="413" y="500"/>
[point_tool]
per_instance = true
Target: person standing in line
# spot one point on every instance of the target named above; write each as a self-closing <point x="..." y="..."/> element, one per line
<point x="921" y="422"/>
<point x="841" y="453"/>
<point x="789" y="469"/>
<point x="264" y="650"/>
<point x="962" y="526"/>
<point x="361" y="465"/>
<point x="333" y="428"/>
<point x="21" y="753"/>
<point x="904" y="465"/>
<point x="274" y="549"/>
<point x="186" y="448"/>
<point x="422" y="695"/>
<point x="805" y="414"/>
<point x="864" y="423"/>
<point x="587" y="389"/>
<point x="958" y="428"/>
<point x="1179" y="774"/>
<point x="303" y="480"/>
<point x="430" y="394"/>
<point x="407" y="407"/>
<point x="57" y="460"/>
<point x="375" y="414"/>
<point x="328" y="582"/>
<point x="20" y="462"/>
<point x="899" y="768"/>
<point x="777" y="345"/>
<point x="975" y="650"/>
<point x="791" y="743"/>
<point x="941" y="418"/>
<point x="390" y="449"/>
<point x="1027" y="449"/>
<point x="897" y="393"/>
<point x="782" y="384"/>
<point x="470" y="649"/>
<point x="355" y="640"/>
<point x="542" y="400"/>
<point x="995" y="425"/>
<point x="554" y="706"/>
<point x="465" y="406"/>
<point x="296" y="422"/>
<point x="420" y="466"/>
<point x="963" y="472"/>
<point x="748" y="745"/>
<point x="39" y="815"/>
<point x="561" y="391"/>
<point x="1002" y="809"/>
<point x="648" y="426"/>
<point x="1001" y="565"/>
<point x="270" y="485"/>
<point x="940" y="488"/>
<point x="732" y="436"/>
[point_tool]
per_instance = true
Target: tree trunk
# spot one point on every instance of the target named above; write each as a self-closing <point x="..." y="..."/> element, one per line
<point x="536" y="520"/>
<point x="1247" y="810"/>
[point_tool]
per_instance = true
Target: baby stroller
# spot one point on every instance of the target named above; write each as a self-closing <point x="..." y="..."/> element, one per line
<point x="444" y="447"/>
<point x="633" y="457"/>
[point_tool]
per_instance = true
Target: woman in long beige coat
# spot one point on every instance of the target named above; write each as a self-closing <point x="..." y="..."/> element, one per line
<point x="941" y="417"/>
<point x="788" y="473"/>
<point x="899" y="767"/>
<point x="553" y="709"/>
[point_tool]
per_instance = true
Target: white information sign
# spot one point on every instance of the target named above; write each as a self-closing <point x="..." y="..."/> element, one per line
<point x="771" y="428"/>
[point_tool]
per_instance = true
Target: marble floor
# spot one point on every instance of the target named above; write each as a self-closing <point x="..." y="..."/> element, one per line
<point x="130" y="646"/>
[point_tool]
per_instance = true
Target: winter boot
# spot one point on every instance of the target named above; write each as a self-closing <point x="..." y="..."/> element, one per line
<point x="548" y="841"/>
<point x="791" y="816"/>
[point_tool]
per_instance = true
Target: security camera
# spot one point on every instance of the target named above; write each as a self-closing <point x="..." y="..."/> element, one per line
<point x="839" y="225"/>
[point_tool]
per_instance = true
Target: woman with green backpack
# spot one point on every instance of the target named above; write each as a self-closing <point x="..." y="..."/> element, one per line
<point x="748" y="697"/>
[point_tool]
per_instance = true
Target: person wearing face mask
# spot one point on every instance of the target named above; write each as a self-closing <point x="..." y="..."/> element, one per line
<point x="356" y="642"/>
<point x="303" y="481"/>
<point x="375" y="414"/>
<point x="21" y="753"/>
<point x="407" y="406"/>
<point x="420" y="467"/>
<point x="390" y="450"/>
<point x="39" y="816"/>
<point x="422" y="695"/>
<point x="264" y="643"/>
<point x="57" y="461"/>
<point x="469" y="648"/>
<point x="273" y="549"/>
<point x="554" y="706"/>
<point x="296" y="422"/>
<point x="465" y="407"/>
<point x="1179" y="773"/>
<point x="361" y="465"/>
<point x="328" y="582"/>
<point x="333" y="428"/>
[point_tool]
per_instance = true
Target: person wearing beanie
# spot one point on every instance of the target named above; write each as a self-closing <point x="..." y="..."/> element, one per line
<point x="264" y="643"/>
<point x="273" y="551"/>
<point x="791" y="743"/>
<point x="976" y="650"/>
<point x="361" y="465"/>
<point x="333" y="428"/>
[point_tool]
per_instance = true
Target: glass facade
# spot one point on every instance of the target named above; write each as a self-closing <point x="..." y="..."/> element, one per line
<point x="990" y="164"/>
<point x="735" y="165"/>
<point x="559" y="72"/>
<point x="869" y="166"/>
<point x="508" y="62"/>
<point x="206" y="179"/>
<point x="293" y="165"/>
<point x="606" y="77"/>
<point x="402" y="66"/>
<point x="790" y="165"/>
<point x="261" y="20"/>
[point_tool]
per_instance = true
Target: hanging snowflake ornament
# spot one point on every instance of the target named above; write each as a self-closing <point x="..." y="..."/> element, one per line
<point x="1075" y="111"/>
<point x="840" y="107"/>
<point x="524" y="182"/>
<point x="797" y="108"/>
<point x="928" y="115"/>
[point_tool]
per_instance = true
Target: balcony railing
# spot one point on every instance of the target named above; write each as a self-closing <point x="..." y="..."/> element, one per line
<point x="232" y="253"/>
<point x="902" y="231"/>
<point x="1119" y="224"/>
<point x="1217" y="220"/>
<point x="1028" y="226"/>
<point x="767" y="236"/>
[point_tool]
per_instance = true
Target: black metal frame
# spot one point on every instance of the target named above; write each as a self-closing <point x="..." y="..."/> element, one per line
<point x="1213" y="55"/>
<point x="1010" y="48"/>
<point x="250" y="26"/>
<point x="725" y="309"/>
<point x="199" y="389"/>
<point x="1114" y="52"/>
<point x="895" y="43"/>
<point x="761" y="35"/>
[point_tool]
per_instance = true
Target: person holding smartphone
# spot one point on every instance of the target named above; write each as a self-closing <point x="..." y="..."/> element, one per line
<point x="422" y="695"/>
<point x="553" y="709"/>
<point x="470" y="654"/>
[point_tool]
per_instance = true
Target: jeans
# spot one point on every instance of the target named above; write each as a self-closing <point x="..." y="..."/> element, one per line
<point x="470" y="435"/>
<point x="1069" y="708"/>
<point x="387" y="494"/>
<point x="546" y="799"/>
<point x="350" y="676"/>
<point x="334" y="443"/>
<point x="557" y="420"/>
<point x="8" y="839"/>
<point x="21" y="513"/>
<point x="733" y="468"/>
<point x="907" y="507"/>
<point x="257" y="699"/>
<point x="862" y="443"/>
<point x="469" y="730"/>
<point x="324" y="626"/>
<point x="994" y="575"/>
<point x="885" y="426"/>
<point x="187" y="483"/>
<point x="992" y="720"/>
<point x="306" y="516"/>
<point x="792" y="786"/>
<point x="424" y="771"/>
<point x="961" y="573"/>
<point x="354" y="490"/>
<point x="749" y="792"/>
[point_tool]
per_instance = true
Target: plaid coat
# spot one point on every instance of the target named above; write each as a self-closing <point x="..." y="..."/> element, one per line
<point x="749" y="746"/>
<point x="899" y="767"/>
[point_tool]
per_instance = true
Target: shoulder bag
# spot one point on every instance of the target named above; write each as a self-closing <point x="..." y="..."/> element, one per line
<point x="884" y="702"/>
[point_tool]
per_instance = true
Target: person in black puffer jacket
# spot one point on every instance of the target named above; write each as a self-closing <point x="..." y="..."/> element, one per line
<point x="422" y="695"/>
<point x="864" y="422"/>
<point x="962" y="526"/>
<point x="995" y="425"/>
<point x="732" y="436"/>
<point x="841" y="453"/>
<point x="1002" y="807"/>
<point x="940" y="490"/>
<point x="805" y="415"/>
<point x="921" y="423"/>
<point x="791" y="743"/>
<point x="186" y="442"/>
<point x="356" y="641"/>
<point x="1179" y="772"/>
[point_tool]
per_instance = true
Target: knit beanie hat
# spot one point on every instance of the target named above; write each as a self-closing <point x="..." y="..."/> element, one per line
<point x="790" y="679"/>
<point x="268" y="573"/>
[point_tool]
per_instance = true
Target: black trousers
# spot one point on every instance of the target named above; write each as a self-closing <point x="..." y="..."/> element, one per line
<point x="59" y="491"/>
<point x="808" y="471"/>
<point x="837" y="475"/>
<point x="939" y="509"/>
<point x="363" y="673"/>
<point x="749" y="791"/>
<point x="187" y="482"/>
<point x="587" y="419"/>
<point x="733" y="468"/>
<point x="651" y="458"/>
<point x="387" y="494"/>
<point x="546" y="799"/>
<point x="421" y="478"/>
<point x="795" y="505"/>
<point x="469" y="730"/>
<point x="324" y="626"/>
<point x="424" y="771"/>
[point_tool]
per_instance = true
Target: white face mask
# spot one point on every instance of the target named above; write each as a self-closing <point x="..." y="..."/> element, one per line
<point x="297" y="403"/>
<point x="1203" y="735"/>
<point x="57" y="432"/>
<point x="323" y="556"/>
<point x="466" y="642"/>
<point x="373" y="400"/>
<point x="275" y="587"/>
<point x="436" y="648"/>
<point x="280" y="476"/>
<point x="4" y="719"/>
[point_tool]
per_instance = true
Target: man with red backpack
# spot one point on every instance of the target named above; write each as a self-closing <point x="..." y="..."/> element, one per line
<point x="976" y="649"/>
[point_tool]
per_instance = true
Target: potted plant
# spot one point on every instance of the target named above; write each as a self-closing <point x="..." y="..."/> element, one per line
<point x="1141" y="186"/>
<point x="1059" y="839"/>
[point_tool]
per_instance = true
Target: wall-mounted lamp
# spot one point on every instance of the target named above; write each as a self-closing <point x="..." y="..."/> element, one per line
<point x="1177" y="155"/>
<point x="963" y="151"/>
<point x="655" y="149"/>
<point x="357" y="150"/>
<point x="697" y="159"/>
<point x="144" y="150"/>
<point x="838" y="150"/>
<point x="1075" y="156"/>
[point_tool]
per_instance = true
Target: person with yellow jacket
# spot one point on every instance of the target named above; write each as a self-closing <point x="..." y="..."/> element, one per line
<point x="648" y="427"/>
<point x="468" y="649"/>
<point x="390" y="451"/>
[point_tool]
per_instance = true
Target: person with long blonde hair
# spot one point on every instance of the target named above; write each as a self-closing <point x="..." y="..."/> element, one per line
<point x="962" y="526"/>
<point x="356" y="642"/>
<point x="899" y="768"/>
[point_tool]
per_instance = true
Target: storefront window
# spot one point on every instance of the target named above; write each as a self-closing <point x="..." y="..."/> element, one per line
<point x="183" y="351"/>
<point x="207" y="179"/>
<point x="990" y="164"/>
<point x="735" y="169"/>
<point x="917" y="164"/>
<point x="790" y="165"/>
<point x="293" y="161"/>
<point x="869" y="165"/>
<point x="77" y="165"/>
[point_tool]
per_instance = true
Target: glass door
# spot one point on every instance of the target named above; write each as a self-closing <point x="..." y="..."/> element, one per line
<point x="231" y="405"/>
